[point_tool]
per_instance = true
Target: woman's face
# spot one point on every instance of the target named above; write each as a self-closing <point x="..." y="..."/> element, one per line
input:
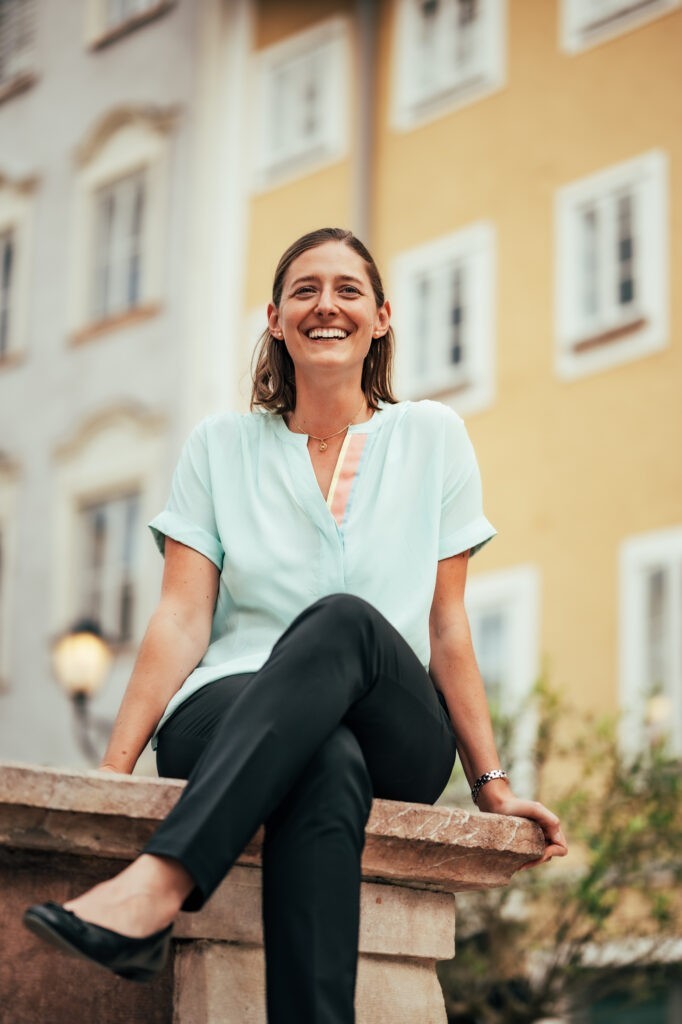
<point x="328" y="316"/>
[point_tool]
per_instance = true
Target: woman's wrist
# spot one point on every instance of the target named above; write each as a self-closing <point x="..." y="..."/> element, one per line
<point x="108" y="766"/>
<point x="493" y="795"/>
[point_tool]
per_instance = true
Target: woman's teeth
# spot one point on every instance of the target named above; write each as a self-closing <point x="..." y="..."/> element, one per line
<point x="320" y="333"/>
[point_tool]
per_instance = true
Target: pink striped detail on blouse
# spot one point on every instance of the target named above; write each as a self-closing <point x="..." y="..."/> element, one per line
<point x="344" y="475"/>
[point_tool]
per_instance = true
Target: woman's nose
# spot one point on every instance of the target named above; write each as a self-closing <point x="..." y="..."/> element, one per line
<point x="326" y="302"/>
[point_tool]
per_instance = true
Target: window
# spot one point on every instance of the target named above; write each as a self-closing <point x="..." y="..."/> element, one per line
<point x="120" y="223"/>
<point x="15" y="210"/>
<point x="110" y="530"/>
<point x="109" y="480"/>
<point x="17" y="44"/>
<point x="444" y="317"/>
<point x="303" y="85"/>
<point x="108" y="20"/>
<point x="504" y="610"/>
<point x="448" y="52"/>
<point x="585" y="23"/>
<point x="119" y="212"/>
<point x="651" y="639"/>
<point x="118" y="11"/>
<point x="611" y="267"/>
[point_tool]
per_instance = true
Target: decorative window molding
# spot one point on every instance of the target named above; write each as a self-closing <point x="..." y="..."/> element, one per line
<point x="586" y="23"/>
<point x="120" y="222"/>
<point x="18" y="55"/>
<point x="9" y="476"/>
<point x="16" y="208"/>
<point x="504" y="614"/>
<point x="650" y="647"/>
<point x="302" y="87"/>
<point x="444" y="318"/>
<point x="612" y="266"/>
<point x="110" y="20"/>
<point x="108" y="484"/>
<point x="448" y="53"/>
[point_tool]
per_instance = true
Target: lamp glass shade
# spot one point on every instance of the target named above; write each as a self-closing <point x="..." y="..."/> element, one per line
<point x="81" y="662"/>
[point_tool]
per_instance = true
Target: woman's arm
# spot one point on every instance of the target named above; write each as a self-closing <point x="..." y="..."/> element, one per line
<point x="454" y="670"/>
<point x="176" y="640"/>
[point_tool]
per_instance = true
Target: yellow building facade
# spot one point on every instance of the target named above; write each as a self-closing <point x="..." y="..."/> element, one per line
<point x="516" y="170"/>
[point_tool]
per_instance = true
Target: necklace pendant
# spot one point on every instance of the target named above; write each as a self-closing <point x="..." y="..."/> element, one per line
<point x="323" y="446"/>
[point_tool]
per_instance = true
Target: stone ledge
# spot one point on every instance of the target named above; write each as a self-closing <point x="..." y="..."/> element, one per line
<point x="414" y="845"/>
<point x="61" y="831"/>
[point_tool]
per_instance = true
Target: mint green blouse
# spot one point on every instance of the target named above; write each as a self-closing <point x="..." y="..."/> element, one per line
<point x="406" y="492"/>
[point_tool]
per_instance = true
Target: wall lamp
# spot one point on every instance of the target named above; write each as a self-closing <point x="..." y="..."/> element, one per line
<point x="81" y="659"/>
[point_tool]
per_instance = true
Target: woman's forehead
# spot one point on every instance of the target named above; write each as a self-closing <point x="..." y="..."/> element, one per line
<point x="329" y="259"/>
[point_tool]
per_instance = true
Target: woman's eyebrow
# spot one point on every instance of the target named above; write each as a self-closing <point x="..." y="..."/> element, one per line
<point x="315" y="277"/>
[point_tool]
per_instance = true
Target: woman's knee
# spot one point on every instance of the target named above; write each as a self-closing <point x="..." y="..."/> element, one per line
<point x="347" y="611"/>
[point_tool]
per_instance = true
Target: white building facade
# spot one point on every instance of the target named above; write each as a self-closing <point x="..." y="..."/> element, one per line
<point x="121" y="234"/>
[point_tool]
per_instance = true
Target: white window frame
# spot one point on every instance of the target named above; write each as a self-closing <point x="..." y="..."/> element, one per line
<point x="107" y="583"/>
<point x="16" y="215"/>
<point x="22" y="70"/>
<point x="331" y="39"/>
<point x="118" y="452"/>
<point x="99" y="30"/>
<point x="118" y="251"/>
<point x="8" y="534"/>
<point x="470" y="385"/>
<point x="639" y="555"/>
<point x="581" y="29"/>
<point x="409" y="107"/>
<point x="582" y="347"/>
<point x="126" y="143"/>
<point x="516" y="593"/>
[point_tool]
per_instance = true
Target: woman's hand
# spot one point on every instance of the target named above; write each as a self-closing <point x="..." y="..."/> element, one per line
<point x="112" y="769"/>
<point x="556" y="845"/>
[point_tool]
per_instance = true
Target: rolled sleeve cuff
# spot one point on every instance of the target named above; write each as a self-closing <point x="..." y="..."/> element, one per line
<point x="471" y="537"/>
<point x="170" y="524"/>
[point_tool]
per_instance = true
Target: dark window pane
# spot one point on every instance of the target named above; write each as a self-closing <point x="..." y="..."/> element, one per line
<point x="625" y="251"/>
<point x="457" y="318"/>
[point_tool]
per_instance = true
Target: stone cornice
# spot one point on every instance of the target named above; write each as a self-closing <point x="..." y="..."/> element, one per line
<point x="414" y="845"/>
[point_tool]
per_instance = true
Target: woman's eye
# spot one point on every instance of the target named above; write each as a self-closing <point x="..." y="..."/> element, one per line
<point x="305" y="289"/>
<point x="351" y="289"/>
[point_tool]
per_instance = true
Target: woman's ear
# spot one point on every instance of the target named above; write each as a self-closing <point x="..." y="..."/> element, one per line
<point x="382" y="320"/>
<point x="273" y="321"/>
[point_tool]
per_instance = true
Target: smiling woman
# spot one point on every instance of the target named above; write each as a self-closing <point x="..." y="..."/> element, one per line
<point x="351" y="275"/>
<point x="310" y="650"/>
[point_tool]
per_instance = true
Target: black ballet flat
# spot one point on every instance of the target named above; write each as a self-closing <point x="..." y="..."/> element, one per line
<point x="135" y="959"/>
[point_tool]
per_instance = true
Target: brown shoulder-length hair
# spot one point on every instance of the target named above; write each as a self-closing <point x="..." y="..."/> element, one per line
<point x="274" y="385"/>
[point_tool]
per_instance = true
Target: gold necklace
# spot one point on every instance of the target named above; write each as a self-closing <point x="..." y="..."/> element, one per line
<point x="323" y="440"/>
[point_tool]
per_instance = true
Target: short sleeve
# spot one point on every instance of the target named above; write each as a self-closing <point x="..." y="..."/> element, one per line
<point x="463" y="525"/>
<point x="189" y="516"/>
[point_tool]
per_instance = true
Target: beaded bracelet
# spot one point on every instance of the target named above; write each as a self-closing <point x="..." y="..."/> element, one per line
<point x="482" y="779"/>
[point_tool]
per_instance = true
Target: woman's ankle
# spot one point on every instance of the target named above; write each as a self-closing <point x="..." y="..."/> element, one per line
<point x="163" y="875"/>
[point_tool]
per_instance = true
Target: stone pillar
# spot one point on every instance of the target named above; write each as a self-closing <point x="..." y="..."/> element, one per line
<point x="62" y="830"/>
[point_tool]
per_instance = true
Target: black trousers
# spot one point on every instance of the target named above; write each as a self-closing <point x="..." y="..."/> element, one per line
<point x="341" y="712"/>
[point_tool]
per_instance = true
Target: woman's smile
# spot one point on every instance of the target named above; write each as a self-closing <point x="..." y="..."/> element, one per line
<point x="327" y="334"/>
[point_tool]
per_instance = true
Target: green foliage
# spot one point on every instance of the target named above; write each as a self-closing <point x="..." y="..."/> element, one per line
<point x="526" y="951"/>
